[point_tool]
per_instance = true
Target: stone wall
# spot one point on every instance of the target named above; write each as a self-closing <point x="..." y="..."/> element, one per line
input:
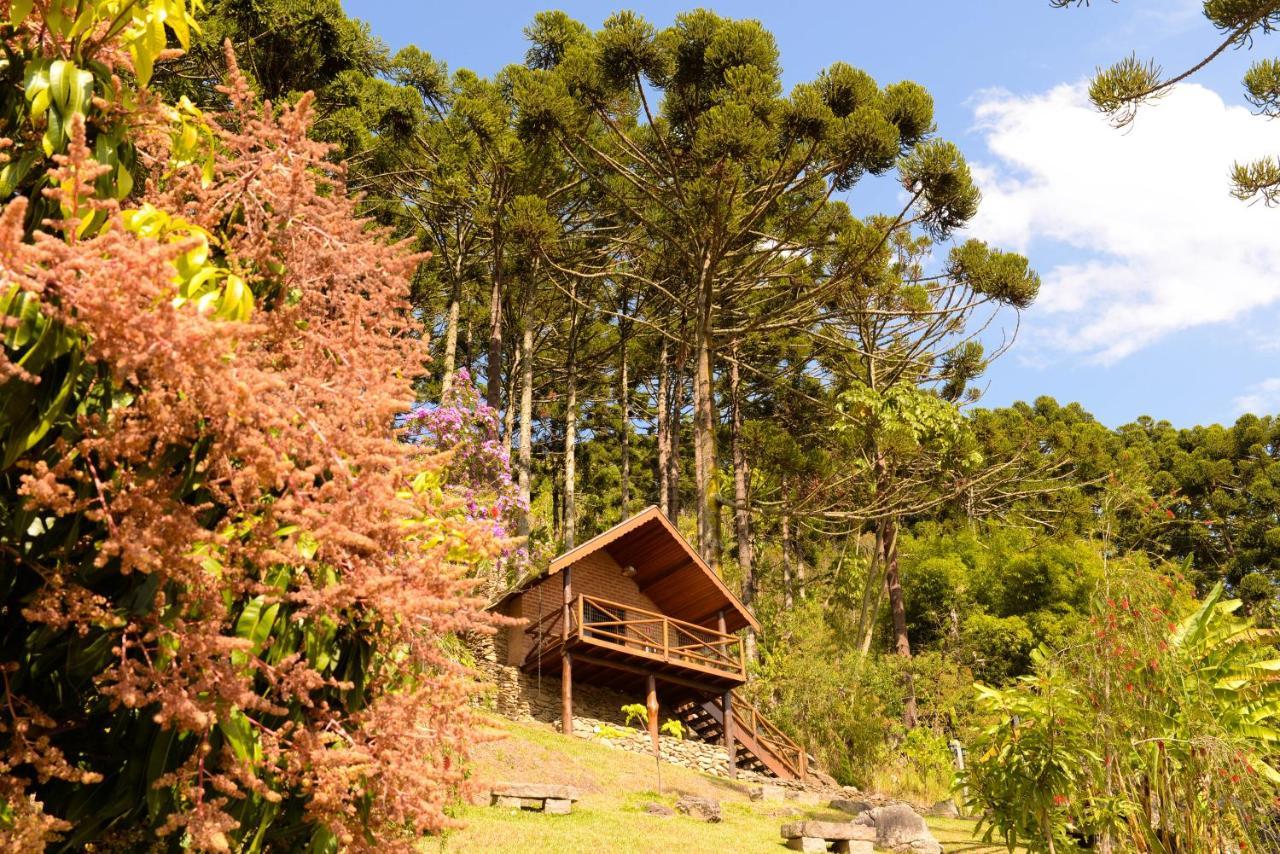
<point x="688" y="753"/>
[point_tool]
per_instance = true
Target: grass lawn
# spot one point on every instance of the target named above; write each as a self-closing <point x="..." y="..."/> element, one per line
<point x="616" y="785"/>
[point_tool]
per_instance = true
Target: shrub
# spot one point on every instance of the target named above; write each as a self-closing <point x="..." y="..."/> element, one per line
<point x="996" y="648"/>
<point x="1153" y="731"/>
<point x="227" y="582"/>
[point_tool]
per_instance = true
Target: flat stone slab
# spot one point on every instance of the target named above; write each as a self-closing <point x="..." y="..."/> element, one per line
<point x="829" y="830"/>
<point x="539" y="791"/>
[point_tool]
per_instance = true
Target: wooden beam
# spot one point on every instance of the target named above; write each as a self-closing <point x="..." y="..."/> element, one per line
<point x="651" y="704"/>
<point x="727" y="727"/>
<point x="703" y="687"/>
<point x="566" y="694"/>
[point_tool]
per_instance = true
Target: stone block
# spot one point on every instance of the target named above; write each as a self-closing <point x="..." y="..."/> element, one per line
<point x="768" y="792"/>
<point x="807" y="843"/>
<point x="804" y="797"/>
<point x="557" y="806"/>
<point x="534" y="804"/>
<point x="504" y="801"/>
<point x="853" y="846"/>
<point x="829" y="830"/>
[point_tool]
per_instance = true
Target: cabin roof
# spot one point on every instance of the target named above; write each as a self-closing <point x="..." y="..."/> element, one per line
<point x="668" y="570"/>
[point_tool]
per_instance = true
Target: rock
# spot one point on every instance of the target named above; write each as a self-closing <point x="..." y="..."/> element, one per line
<point x="557" y="806"/>
<point x="800" y="796"/>
<point x="706" y="809"/>
<point x="945" y="809"/>
<point x="767" y="792"/>
<point x="829" y="830"/>
<point x="849" y="805"/>
<point x="823" y="777"/>
<point x="503" y="801"/>
<point x="807" y="843"/>
<point x="659" y="809"/>
<point x="900" y="829"/>
<point x="535" y="790"/>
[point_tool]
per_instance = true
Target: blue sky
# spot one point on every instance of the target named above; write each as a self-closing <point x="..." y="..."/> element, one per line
<point x="1162" y="295"/>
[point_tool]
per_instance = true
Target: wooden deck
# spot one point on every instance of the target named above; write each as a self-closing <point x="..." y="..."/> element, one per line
<point x="633" y="641"/>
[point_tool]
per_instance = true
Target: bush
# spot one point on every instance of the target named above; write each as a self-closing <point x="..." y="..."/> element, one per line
<point x="227" y="582"/>
<point x="996" y="648"/>
<point x="1156" y="730"/>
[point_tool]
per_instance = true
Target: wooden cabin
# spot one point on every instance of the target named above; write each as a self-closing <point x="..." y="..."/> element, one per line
<point x="637" y="610"/>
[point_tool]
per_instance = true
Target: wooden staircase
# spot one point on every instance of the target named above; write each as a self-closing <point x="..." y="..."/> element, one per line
<point x="759" y="745"/>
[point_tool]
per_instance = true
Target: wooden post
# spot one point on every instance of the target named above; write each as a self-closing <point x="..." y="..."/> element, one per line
<point x="567" y="576"/>
<point x="566" y="693"/>
<point x="651" y="703"/>
<point x="566" y="658"/>
<point x="727" y="727"/>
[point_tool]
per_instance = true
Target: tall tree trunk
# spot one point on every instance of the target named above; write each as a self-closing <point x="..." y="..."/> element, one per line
<point x="493" y="388"/>
<point x="704" y="428"/>
<point x="624" y="401"/>
<point x="571" y="427"/>
<point x="509" y="412"/>
<point x="897" y="605"/>
<point x="570" y="458"/>
<point x="742" y="502"/>
<point x="872" y="597"/>
<point x="675" y="412"/>
<point x="788" y="592"/>
<point x="664" y="430"/>
<point x="468" y="351"/>
<point x="451" y="341"/>
<point x="525" y="469"/>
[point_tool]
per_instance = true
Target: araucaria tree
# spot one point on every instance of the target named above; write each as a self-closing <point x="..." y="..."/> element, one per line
<point x="1120" y="89"/>
<point x="719" y="185"/>
<point x="225" y="577"/>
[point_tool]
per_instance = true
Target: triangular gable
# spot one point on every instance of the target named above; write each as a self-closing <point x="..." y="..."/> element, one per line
<point x="667" y="569"/>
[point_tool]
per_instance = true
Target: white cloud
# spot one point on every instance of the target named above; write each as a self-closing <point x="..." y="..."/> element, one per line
<point x="1261" y="399"/>
<point x="1153" y="241"/>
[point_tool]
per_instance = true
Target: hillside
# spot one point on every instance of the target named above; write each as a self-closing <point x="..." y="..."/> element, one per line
<point x="616" y="786"/>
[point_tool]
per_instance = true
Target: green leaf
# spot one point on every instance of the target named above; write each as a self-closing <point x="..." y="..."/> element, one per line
<point x="19" y="10"/>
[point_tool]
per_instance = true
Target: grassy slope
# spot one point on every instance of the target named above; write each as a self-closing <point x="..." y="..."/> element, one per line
<point x="615" y="787"/>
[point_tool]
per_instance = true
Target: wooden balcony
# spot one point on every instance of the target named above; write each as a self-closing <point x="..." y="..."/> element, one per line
<point x="632" y="640"/>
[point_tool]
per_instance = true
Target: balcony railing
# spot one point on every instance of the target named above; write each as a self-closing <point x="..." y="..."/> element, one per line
<point x="594" y="621"/>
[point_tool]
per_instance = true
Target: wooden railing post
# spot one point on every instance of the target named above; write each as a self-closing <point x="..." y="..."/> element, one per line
<point x="666" y="642"/>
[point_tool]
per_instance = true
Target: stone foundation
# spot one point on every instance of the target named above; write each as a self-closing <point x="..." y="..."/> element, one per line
<point x="597" y="714"/>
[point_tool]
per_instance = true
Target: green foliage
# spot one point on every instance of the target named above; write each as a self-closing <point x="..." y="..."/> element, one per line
<point x="636" y="713"/>
<point x="1122" y="88"/>
<point x="1150" y="732"/>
